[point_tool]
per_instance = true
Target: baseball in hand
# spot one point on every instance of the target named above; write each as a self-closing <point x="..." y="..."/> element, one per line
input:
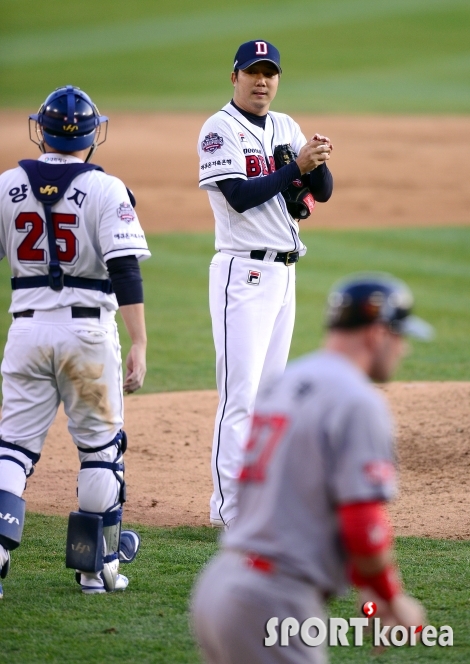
<point x="322" y="139"/>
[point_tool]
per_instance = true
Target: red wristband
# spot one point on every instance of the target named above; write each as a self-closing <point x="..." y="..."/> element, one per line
<point x="365" y="528"/>
<point x="386" y="583"/>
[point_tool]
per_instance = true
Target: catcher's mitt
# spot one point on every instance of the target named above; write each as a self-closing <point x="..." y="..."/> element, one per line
<point x="298" y="197"/>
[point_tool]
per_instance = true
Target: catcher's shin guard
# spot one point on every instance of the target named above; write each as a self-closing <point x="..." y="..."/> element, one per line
<point x="93" y="542"/>
<point x="84" y="548"/>
<point x="12" y="513"/>
<point x="129" y="546"/>
<point x="95" y="490"/>
<point x="111" y="537"/>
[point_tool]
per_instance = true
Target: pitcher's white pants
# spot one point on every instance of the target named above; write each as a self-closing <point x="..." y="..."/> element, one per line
<point x="252" y="324"/>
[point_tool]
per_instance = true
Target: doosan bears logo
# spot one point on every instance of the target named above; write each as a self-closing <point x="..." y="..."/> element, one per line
<point x="212" y="142"/>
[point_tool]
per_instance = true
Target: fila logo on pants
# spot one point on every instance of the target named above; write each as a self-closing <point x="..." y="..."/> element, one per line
<point x="253" y="277"/>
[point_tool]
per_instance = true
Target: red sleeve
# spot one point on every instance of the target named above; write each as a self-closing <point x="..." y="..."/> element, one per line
<point x="365" y="528"/>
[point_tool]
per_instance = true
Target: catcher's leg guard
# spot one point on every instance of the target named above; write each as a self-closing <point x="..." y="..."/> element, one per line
<point x="16" y="464"/>
<point x="129" y="545"/>
<point x="84" y="549"/>
<point x="101" y="493"/>
<point x="12" y="512"/>
<point x="111" y="536"/>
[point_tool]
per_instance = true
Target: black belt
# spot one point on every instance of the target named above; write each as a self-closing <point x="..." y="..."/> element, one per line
<point x="77" y="312"/>
<point x="288" y="257"/>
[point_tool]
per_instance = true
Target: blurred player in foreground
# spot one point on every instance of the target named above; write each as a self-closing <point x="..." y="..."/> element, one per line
<point x="319" y="466"/>
<point x="73" y="242"/>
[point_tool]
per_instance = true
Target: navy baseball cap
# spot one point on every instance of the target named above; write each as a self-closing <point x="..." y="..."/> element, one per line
<point x="375" y="297"/>
<point x="256" y="51"/>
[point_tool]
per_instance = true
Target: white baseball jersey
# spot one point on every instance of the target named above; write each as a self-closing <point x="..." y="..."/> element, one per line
<point x="230" y="146"/>
<point x="321" y="437"/>
<point x="94" y="221"/>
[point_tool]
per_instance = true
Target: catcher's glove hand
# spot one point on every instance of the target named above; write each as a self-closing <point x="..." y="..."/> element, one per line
<point x="298" y="197"/>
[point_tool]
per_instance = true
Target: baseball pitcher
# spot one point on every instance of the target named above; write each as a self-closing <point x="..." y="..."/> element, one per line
<point x="262" y="176"/>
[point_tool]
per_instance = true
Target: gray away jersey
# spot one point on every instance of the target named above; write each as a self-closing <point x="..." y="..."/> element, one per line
<point x="321" y="437"/>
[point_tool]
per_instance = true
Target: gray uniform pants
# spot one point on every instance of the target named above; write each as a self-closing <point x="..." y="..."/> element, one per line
<point x="232" y="603"/>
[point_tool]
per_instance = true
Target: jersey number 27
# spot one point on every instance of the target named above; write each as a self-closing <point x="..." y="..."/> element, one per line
<point x="266" y="433"/>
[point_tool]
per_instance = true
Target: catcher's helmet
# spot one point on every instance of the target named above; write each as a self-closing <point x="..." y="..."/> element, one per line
<point x="370" y="297"/>
<point x="68" y="121"/>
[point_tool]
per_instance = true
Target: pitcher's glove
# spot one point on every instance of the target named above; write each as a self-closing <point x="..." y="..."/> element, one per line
<point x="298" y="197"/>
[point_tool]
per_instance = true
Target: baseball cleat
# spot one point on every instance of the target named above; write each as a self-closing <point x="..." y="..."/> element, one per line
<point x="121" y="582"/>
<point x="93" y="584"/>
<point x="129" y="545"/>
<point x="4" y="571"/>
<point x="217" y="523"/>
<point x="5" y="567"/>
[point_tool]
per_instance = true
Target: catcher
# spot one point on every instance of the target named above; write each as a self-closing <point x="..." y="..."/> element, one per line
<point x="73" y="242"/>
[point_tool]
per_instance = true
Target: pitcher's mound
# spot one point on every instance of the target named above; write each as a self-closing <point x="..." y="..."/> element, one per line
<point x="168" y="460"/>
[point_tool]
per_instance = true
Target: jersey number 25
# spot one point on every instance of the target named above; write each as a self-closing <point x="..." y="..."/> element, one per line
<point x="34" y="227"/>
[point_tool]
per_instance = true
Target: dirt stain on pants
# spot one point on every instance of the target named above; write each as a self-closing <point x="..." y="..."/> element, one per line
<point x="84" y="379"/>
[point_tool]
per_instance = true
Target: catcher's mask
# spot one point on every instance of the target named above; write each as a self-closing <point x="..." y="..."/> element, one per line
<point x="366" y="298"/>
<point x="68" y="121"/>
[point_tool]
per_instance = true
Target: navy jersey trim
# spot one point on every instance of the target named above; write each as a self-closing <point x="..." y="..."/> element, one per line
<point x="132" y="251"/>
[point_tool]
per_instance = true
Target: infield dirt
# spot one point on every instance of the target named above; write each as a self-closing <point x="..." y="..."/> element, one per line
<point x="389" y="171"/>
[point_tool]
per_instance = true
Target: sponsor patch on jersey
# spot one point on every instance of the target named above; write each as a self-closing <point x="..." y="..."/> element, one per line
<point x="122" y="236"/>
<point x="379" y="472"/>
<point x="126" y="213"/>
<point x="242" y="137"/>
<point x="254" y="277"/>
<point x="212" y="142"/>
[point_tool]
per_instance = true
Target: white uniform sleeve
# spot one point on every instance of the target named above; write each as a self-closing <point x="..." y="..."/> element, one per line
<point x="363" y="466"/>
<point x="220" y="153"/>
<point x="120" y="231"/>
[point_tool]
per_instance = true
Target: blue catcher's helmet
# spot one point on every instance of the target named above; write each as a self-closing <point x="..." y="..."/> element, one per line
<point x="68" y="121"/>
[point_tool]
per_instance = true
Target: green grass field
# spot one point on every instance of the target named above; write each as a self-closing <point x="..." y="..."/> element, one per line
<point x="45" y="618"/>
<point x="338" y="56"/>
<point x="434" y="262"/>
<point x="344" y="56"/>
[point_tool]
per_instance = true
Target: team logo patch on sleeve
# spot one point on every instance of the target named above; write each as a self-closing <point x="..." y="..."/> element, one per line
<point x="126" y="213"/>
<point x="254" y="277"/>
<point x="212" y="142"/>
<point x="242" y="137"/>
<point x="380" y="472"/>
